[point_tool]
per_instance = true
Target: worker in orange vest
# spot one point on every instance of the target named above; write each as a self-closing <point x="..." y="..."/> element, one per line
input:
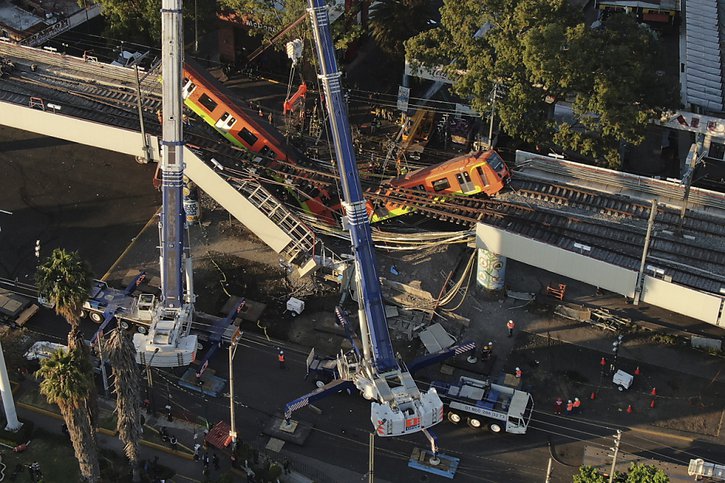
<point x="569" y="407"/>
<point x="280" y="358"/>
<point x="558" y="406"/>
<point x="576" y="405"/>
<point x="518" y="373"/>
<point x="510" y="326"/>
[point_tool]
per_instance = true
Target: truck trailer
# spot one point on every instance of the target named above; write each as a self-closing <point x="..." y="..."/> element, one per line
<point x="501" y="408"/>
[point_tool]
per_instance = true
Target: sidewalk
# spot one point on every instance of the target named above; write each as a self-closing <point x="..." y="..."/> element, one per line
<point x="152" y="449"/>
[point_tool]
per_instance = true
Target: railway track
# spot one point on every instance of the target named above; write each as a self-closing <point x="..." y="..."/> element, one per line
<point x="613" y="226"/>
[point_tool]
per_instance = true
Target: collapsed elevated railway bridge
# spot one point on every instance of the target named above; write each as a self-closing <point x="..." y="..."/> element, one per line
<point x="620" y="232"/>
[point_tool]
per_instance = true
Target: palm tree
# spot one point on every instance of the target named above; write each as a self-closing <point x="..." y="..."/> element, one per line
<point x="126" y="377"/>
<point x="64" y="280"/>
<point x="392" y="22"/>
<point x="67" y="382"/>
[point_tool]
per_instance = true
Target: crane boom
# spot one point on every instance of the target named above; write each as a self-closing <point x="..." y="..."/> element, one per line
<point x="400" y="408"/>
<point x="168" y="342"/>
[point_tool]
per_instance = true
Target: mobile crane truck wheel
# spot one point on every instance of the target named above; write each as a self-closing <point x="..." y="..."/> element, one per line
<point x="142" y="330"/>
<point x="474" y="423"/>
<point x="96" y="317"/>
<point x="124" y="325"/>
<point x="319" y="383"/>
<point x="455" y="418"/>
<point x="494" y="428"/>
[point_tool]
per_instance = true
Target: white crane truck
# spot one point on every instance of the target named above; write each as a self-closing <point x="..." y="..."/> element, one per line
<point x="481" y="403"/>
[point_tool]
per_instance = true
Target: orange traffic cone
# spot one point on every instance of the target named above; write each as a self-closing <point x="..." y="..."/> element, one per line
<point x="629" y="409"/>
<point x="652" y="404"/>
<point x="636" y="371"/>
<point x="654" y="391"/>
<point x="594" y="395"/>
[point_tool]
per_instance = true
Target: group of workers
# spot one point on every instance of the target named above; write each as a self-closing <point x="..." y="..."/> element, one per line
<point x="571" y="407"/>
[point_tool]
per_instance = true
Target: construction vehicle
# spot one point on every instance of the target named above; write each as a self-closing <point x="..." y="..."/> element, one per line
<point x="15" y="310"/>
<point x="398" y="406"/>
<point x="164" y="338"/>
<point x="168" y="342"/>
<point x="481" y="403"/>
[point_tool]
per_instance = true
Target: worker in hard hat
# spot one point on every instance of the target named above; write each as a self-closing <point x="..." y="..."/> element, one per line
<point x="280" y="358"/>
<point x="486" y="351"/>
<point x="518" y="373"/>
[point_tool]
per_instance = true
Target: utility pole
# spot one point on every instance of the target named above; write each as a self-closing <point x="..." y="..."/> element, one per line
<point x="150" y="382"/>
<point x="371" y="459"/>
<point x="103" y="364"/>
<point x="645" y="251"/>
<point x="490" y="125"/>
<point x="548" y="471"/>
<point x="695" y="158"/>
<point x="196" y="28"/>
<point x="146" y="150"/>
<point x="232" y="350"/>
<point x="617" y="439"/>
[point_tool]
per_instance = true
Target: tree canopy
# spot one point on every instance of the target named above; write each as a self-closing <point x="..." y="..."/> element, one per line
<point x="637" y="473"/>
<point x="541" y="52"/>
<point x="392" y="22"/>
<point x="140" y="20"/>
<point x="64" y="279"/>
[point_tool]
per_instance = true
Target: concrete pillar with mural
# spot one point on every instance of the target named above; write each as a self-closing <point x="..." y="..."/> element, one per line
<point x="490" y="270"/>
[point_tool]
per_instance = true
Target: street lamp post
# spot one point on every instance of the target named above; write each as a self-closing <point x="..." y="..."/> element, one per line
<point x="232" y="351"/>
<point x="150" y="382"/>
<point x="196" y="29"/>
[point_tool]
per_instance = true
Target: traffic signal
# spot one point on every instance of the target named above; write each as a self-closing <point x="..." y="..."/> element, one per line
<point x="37" y="248"/>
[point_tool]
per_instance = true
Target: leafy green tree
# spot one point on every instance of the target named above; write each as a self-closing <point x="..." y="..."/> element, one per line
<point x="64" y="280"/>
<point x="392" y="22"/>
<point x="140" y="20"/>
<point x="642" y="473"/>
<point x="66" y="381"/>
<point x="266" y="20"/>
<point x="587" y="474"/>
<point x="126" y="377"/>
<point x="540" y="52"/>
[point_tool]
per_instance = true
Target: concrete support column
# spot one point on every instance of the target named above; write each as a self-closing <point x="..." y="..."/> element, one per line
<point x="490" y="270"/>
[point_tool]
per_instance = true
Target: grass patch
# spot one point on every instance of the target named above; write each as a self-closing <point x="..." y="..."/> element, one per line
<point x="53" y="452"/>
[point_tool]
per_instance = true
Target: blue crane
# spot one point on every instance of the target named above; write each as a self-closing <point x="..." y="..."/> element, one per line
<point x="398" y="406"/>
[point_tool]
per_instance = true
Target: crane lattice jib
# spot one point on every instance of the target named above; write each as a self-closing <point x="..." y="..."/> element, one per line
<point x="172" y="165"/>
<point x="370" y="297"/>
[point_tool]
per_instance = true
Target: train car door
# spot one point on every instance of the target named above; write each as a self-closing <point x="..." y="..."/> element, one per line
<point x="188" y="88"/>
<point x="464" y="181"/>
<point x="225" y="122"/>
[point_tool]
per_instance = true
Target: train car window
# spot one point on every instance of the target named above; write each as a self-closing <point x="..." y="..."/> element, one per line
<point x="484" y="180"/>
<point x="265" y="151"/>
<point x="459" y="178"/>
<point x="248" y="137"/>
<point x="441" y="184"/>
<point x="421" y="187"/>
<point x="466" y="176"/>
<point x="495" y="161"/>
<point x="208" y="103"/>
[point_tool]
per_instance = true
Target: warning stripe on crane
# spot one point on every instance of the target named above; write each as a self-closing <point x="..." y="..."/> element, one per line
<point x="299" y="404"/>
<point x="465" y="348"/>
